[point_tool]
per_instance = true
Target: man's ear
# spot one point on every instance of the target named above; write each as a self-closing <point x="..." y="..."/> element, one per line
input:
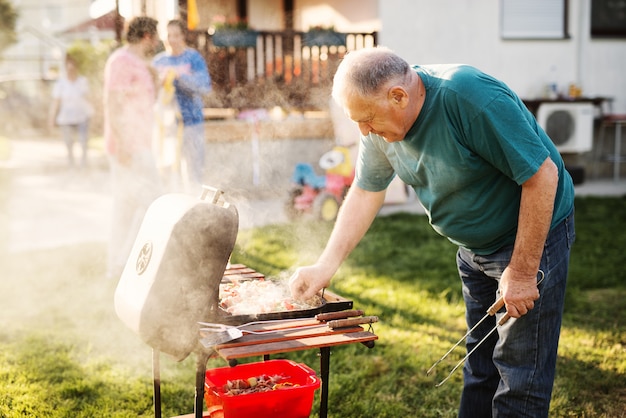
<point x="398" y="96"/>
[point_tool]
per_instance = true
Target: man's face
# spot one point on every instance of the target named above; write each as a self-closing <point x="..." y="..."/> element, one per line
<point x="378" y="115"/>
<point x="150" y="44"/>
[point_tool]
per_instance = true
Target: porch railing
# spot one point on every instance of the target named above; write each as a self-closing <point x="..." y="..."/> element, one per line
<point x="283" y="58"/>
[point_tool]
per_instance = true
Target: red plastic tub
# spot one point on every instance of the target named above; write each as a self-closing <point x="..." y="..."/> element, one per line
<point x="292" y="398"/>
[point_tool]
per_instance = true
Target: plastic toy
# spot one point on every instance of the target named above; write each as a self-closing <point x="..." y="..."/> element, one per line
<point x="321" y="195"/>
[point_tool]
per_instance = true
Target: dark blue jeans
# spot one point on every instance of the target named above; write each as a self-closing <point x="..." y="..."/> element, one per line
<point x="511" y="374"/>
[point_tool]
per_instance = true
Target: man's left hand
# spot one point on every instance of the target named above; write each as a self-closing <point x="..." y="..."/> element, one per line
<point x="519" y="292"/>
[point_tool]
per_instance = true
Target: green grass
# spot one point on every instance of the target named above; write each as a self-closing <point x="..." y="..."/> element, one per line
<point x="64" y="353"/>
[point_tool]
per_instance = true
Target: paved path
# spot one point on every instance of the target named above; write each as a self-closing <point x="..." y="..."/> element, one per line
<point x="50" y="205"/>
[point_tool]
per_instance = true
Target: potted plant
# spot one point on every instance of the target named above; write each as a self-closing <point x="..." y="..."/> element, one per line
<point x="323" y="35"/>
<point x="233" y="33"/>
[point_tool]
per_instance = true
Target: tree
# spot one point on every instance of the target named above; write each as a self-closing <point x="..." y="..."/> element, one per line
<point x="8" y="19"/>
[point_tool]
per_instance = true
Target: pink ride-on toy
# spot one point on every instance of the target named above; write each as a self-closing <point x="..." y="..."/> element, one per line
<point x="321" y="195"/>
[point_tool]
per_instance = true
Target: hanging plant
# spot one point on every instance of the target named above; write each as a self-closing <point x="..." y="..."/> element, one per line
<point x="235" y="38"/>
<point x="323" y="35"/>
<point x="233" y="33"/>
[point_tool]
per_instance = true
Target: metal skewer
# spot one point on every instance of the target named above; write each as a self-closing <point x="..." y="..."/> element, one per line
<point x="497" y="305"/>
<point x="460" y="363"/>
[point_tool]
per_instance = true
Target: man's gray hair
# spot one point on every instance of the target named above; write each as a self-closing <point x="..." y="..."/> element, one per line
<point x="363" y="72"/>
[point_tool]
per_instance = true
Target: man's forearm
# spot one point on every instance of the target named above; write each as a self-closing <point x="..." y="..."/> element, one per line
<point x="535" y="216"/>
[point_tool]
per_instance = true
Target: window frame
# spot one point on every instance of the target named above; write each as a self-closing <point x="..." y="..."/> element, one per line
<point x="515" y="13"/>
<point x="606" y="23"/>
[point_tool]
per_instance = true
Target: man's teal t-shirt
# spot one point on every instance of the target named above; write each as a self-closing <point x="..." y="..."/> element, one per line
<point x="472" y="146"/>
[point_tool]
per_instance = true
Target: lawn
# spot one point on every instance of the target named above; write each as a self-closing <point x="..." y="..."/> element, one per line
<point x="64" y="353"/>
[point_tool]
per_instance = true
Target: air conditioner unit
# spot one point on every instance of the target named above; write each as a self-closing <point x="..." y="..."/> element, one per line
<point x="569" y="125"/>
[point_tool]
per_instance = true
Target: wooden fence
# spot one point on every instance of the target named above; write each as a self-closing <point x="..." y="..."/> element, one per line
<point x="308" y="59"/>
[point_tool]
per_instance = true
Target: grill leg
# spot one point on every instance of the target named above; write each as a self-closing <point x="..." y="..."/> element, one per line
<point x="156" y="376"/>
<point x="325" y="372"/>
<point x="201" y="362"/>
<point x="617" y="150"/>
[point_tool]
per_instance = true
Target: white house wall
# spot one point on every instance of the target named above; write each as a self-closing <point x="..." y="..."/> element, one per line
<point x="38" y="51"/>
<point x="51" y="15"/>
<point x="266" y="14"/>
<point x="344" y="15"/>
<point x="423" y="31"/>
<point x="468" y="31"/>
<point x="163" y="11"/>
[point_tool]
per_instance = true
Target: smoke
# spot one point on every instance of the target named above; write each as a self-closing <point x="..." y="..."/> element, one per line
<point x="55" y="236"/>
<point x="60" y="294"/>
<point x="56" y="220"/>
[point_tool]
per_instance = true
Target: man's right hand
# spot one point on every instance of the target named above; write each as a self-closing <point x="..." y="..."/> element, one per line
<point x="307" y="281"/>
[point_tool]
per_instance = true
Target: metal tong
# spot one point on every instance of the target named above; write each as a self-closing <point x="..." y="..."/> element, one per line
<point x="497" y="305"/>
<point x="220" y="333"/>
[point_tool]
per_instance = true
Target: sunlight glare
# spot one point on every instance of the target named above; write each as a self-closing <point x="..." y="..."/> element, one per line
<point x="101" y="7"/>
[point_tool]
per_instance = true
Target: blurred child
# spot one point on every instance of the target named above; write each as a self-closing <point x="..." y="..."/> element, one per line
<point x="71" y="110"/>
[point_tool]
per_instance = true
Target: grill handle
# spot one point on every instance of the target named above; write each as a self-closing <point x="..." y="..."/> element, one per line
<point x="217" y="193"/>
<point x="342" y="323"/>
<point x="328" y="316"/>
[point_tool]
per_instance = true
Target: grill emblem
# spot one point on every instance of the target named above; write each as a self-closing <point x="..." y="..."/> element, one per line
<point x="143" y="259"/>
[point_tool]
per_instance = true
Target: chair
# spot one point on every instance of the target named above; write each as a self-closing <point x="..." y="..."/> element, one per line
<point x="615" y="121"/>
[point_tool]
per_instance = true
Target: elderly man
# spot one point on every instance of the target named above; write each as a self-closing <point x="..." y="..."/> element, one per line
<point x="493" y="183"/>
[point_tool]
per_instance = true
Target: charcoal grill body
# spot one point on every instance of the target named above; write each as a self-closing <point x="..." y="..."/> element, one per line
<point x="171" y="279"/>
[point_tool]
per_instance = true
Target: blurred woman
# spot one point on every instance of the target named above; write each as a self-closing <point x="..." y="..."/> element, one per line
<point x="191" y="82"/>
<point x="129" y="97"/>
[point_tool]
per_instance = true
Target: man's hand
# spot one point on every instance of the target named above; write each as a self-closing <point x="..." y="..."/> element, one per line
<point x="519" y="292"/>
<point x="307" y="281"/>
<point x="357" y="212"/>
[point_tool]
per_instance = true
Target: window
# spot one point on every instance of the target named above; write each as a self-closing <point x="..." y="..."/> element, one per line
<point x="533" y="19"/>
<point x="608" y="19"/>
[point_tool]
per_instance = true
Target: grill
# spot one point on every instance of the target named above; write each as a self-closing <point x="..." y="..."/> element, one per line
<point x="171" y="281"/>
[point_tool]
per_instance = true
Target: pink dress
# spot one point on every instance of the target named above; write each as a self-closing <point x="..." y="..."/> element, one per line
<point x="134" y="183"/>
<point x="127" y="73"/>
